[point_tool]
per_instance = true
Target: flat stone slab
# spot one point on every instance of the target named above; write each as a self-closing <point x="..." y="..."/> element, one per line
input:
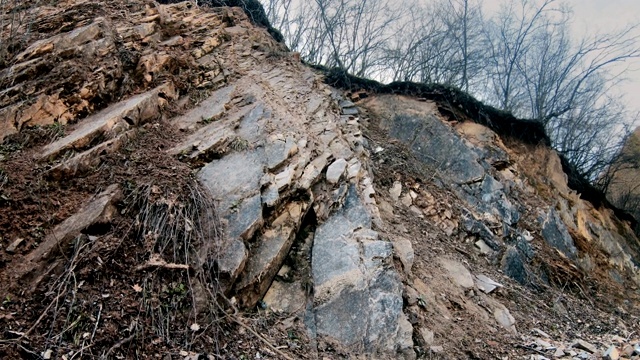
<point x="209" y="110"/>
<point x="268" y="254"/>
<point x="112" y="120"/>
<point x="89" y="160"/>
<point x="98" y="209"/>
<point x="234" y="177"/>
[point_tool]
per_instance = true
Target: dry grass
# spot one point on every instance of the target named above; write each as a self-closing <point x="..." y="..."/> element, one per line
<point x="16" y="20"/>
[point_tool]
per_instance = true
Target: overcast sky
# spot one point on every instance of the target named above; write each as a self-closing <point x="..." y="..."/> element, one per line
<point x="604" y="16"/>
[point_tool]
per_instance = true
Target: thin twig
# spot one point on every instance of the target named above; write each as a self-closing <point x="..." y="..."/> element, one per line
<point x="55" y="300"/>
<point x="118" y="345"/>
<point x="97" y="321"/>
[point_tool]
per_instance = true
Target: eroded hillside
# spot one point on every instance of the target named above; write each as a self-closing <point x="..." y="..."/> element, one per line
<point x="175" y="184"/>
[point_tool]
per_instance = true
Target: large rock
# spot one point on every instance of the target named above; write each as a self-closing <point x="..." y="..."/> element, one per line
<point x="555" y="233"/>
<point x="112" y="121"/>
<point x="234" y="181"/>
<point x="99" y="210"/>
<point x="357" y="293"/>
<point x="432" y="141"/>
<point x="268" y="254"/>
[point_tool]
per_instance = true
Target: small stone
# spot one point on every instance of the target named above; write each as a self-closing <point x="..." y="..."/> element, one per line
<point x="544" y="344"/>
<point x="427" y="335"/>
<point x="47" y="354"/>
<point x="627" y="351"/>
<point x="407" y="200"/>
<point x="583" y="345"/>
<point x="612" y="353"/>
<point x="284" y="271"/>
<point x="486" y="284"/>
<point x="14" y="245"/>
<point x="483" y="247"/>
<point x="458" y="273"/>
<point x="411" y="295"/>
<point x="541" y="333"/>
<point x="335" y="170"/>
<point x="350" y="111"/>
<point x="404" y="250"/>
<point x="395" y="190"/>
<point x="559" y="353"/>
<point x="436" y="349"/>
<point x="346" y="104"/>
<point x="354" y="169"/>
<point x="504" y="318"/>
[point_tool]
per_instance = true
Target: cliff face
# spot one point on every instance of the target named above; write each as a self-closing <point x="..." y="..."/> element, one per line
<point x="175" y="184"/>
<point x="624" y="190"/>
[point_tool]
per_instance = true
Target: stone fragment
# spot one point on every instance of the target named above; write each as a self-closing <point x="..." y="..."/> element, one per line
<point x="350" y="111"/>
<point x="458" y="273"/>
<point x="207" y="111"/>
<point x="267" y="255"/>
<point x="541" y="333"/>
<point x="313" y="170"/>
<point x="14" y="246"/>
<point x="285" y="297"/>
<point x="278" y="151"/>
<point x="231" y="262"/>
<point x="433" y="142"/>
<point x="559" y="353"/>
<point x="583" y="345"/>
<point x="335" y="170"/>
<point x="407" y="200"/>
<point x="234" y="177"/>
<point x="545" y="345"/>
<point x="411" y="295"/>
<point x="270" y="195"/>
<point x="396" y="190"/>
<point x="64" y="42"/>
<point x="86" y="161"/>
<point x="486" y="284"/>
<point x="504" y="318"/>
<point x="244" y="217"/>
<point x="284" y="178"/>
<point x="427" y="336"/>
<point x="555" y="233"/>
<point x="513" y="266"/>
<point x="612" y="353"/>
<point x="346" y="104"/>
<point x="353" y="171"/>
<point x="483" y="247"/>
<point x="404" y="250"/>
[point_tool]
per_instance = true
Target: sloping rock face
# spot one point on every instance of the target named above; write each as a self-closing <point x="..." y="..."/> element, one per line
<point x="197" y="190"/>
<point x="272" y="146"/>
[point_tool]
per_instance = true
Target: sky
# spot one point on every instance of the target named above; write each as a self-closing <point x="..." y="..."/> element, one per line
<point x="603" y="16"/>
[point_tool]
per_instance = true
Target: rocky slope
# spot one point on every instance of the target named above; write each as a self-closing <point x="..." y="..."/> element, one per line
<point x="176" y="184"/>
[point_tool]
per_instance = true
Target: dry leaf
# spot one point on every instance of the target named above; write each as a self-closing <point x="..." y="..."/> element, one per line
<point x="137" y="288"/>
